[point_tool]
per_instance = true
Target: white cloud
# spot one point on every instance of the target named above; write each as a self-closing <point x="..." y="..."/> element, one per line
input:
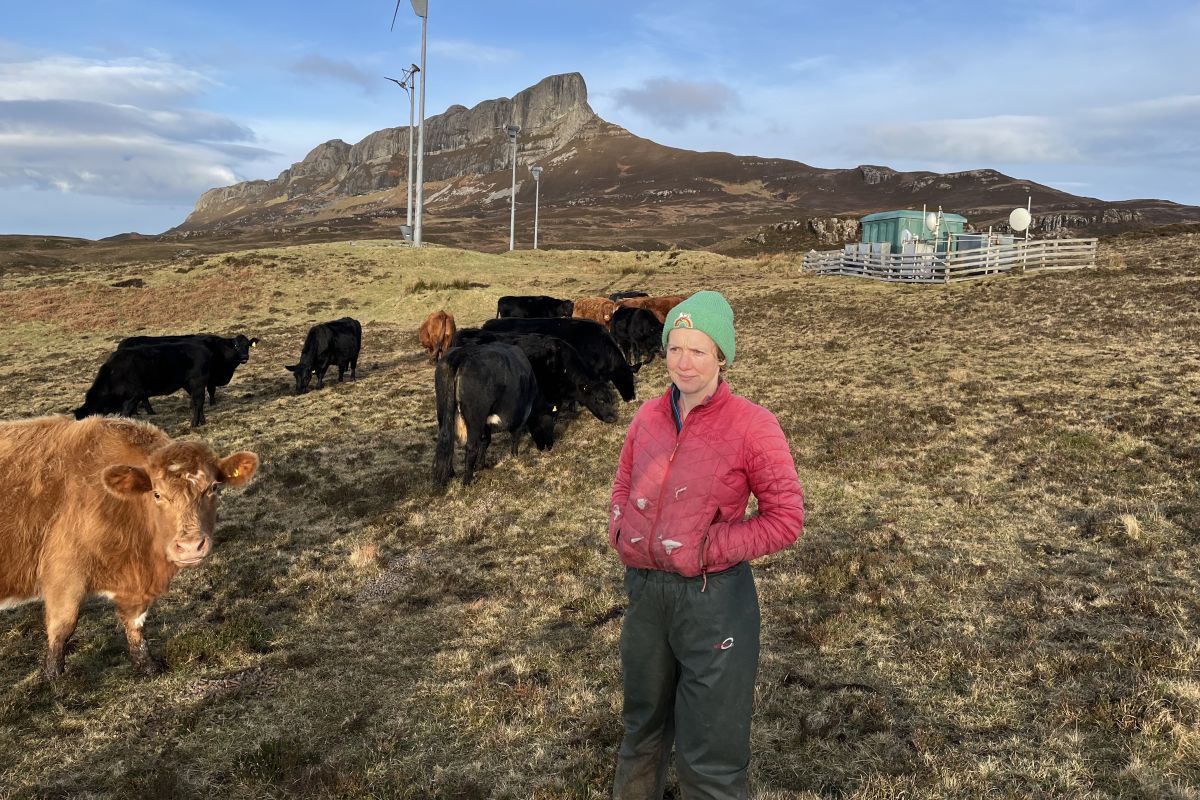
<point x="122" y="80"/>
<point x="118" y="129"/>
<point x="981" y="140"/>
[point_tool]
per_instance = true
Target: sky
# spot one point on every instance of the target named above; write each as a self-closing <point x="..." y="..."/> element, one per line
<point x="116" y="115"/>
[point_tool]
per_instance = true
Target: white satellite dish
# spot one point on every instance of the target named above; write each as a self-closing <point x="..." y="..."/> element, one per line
<point x="1019" y="220"/>
<point x="931" y="221"/>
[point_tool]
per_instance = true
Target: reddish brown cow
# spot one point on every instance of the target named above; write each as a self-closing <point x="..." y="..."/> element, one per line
<point x="597" y="309"/>
<point x="436" y="332"/>
<point x="659" y="306"/>
<point x="103" y="506"/>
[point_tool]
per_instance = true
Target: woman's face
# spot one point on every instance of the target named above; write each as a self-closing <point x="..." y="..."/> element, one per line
<point x="692" y="361"/>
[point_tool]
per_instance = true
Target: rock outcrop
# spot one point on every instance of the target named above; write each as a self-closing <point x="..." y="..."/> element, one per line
<point x="458" y="142"/>
<point x="873" y="176"/>
<point x="1066" y="222"/>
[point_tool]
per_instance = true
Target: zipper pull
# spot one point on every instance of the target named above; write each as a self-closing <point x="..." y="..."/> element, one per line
<point x="674" y="450"/>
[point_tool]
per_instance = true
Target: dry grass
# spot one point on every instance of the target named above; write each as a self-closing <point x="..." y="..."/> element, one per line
<point x="996" y="595"/>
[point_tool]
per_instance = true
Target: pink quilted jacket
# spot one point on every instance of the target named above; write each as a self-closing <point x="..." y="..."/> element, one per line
<point x="679" y="500"/>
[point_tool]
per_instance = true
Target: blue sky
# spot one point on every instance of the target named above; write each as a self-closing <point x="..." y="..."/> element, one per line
<point x="116" y="115"/>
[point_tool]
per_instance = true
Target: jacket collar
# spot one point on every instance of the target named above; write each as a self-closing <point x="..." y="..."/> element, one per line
<point x="716" y="399"/>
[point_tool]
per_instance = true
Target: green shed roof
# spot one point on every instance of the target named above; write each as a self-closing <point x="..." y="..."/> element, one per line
<point x="906" y="214"/>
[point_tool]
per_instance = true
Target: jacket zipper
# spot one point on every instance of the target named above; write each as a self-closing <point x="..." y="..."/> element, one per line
<point x="663" y="487"/>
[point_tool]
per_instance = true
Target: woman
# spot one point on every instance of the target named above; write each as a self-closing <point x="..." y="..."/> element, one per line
<point x="689" y="642"/>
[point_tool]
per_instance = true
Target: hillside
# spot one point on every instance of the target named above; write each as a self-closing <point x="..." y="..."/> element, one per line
<point x="604" y="187"/>
<point x="995" y="594"/>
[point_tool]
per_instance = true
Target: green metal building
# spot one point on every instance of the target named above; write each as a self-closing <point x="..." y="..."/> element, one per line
<point x="889" y="226"/>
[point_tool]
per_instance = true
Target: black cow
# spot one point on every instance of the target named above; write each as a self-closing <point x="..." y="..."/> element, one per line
<point x="615" y="296"/>
<point x="563" y="377"/>
<point x="533" y="307"/>
<point x="479" y="387"/>
<point x="638" y="333"/>
<point x="228" y="354"/>
<point x="132" y="375"/>
<point x="337" y="342"/>
<point x="590" y="339"/>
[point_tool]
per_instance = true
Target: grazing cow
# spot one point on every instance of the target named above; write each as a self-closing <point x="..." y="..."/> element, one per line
<point x="131" y="376"/>
<point x="638" y="333"/>
<point x="228" y="354"/>
<point x="615" y="296"/>
<point x="535" y="306"/>
<point x="597" y="309"/>
<point x="660" y="306"/>
<point x="337" y="342"/>
<point x="479" y="387"/>
<point x="109" y="507"/>
<point x="590" y="339"/>
<point x="562" y="376"/>
<point x="436" y="333"/>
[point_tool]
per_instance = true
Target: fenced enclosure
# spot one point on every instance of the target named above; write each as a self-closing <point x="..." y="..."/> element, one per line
<point x="968" y="258"/>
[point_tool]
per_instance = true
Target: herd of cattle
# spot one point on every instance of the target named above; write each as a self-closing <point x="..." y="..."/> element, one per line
<point x="114" y="507"/>
<point x="539" y="356"/>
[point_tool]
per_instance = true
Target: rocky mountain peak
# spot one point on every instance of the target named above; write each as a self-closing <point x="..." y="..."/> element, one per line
<point x="458" y="141"/>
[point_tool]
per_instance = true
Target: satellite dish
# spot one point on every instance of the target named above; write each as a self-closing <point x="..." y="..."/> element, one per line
<point x="931" y="221"/>
<point x="1019" y="219"/>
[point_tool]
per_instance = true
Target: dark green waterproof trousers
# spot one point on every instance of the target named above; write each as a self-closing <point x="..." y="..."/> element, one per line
<point x="689" y="659"/>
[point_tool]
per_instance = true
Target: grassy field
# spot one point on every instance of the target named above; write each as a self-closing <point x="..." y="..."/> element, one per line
<point x="997" y="593"/>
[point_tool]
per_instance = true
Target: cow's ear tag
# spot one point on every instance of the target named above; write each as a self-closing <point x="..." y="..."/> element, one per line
<point x="254" y="344"/>
<point x="235" y="473"/>
<point x="554" y="409"/>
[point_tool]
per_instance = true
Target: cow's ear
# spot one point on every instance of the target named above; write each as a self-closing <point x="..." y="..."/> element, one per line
<point x="125" y="481"/>
<point x="292" y="368"/>
<point x="239" y="468"/>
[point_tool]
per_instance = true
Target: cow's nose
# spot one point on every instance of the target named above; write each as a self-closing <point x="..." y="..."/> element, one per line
<point x="192" y="549"/>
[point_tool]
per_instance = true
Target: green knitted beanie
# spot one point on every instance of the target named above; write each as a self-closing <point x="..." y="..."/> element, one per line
<point x="708" y="312"/>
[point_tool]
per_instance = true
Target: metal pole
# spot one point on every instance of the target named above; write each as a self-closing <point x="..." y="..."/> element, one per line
<point x="412" y="98"/>
<point x="421" y="141"/>
<point x="512" y="216"/>
<point x="536" y="172"/>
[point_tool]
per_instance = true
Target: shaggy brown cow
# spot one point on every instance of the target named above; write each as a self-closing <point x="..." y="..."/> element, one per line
<point x="597" y="309"/>
<point x="103" y="506"/>
<point x="659" y="306"/>
<point x="436" y="332"/>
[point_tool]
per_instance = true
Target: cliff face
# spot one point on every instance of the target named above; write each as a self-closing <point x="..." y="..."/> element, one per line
<point x="458" y="142"/>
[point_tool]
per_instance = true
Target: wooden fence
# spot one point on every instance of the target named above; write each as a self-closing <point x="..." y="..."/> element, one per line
<point x="963" y="265"/>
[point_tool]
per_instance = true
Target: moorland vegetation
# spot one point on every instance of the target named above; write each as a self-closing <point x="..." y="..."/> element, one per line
<point x="996" y="595"/>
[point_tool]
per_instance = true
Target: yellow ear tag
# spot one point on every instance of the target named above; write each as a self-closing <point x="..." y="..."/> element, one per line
<point x="254" y="344"/>
<point x="235" y="473"/>
<point x="553" y="409"/>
